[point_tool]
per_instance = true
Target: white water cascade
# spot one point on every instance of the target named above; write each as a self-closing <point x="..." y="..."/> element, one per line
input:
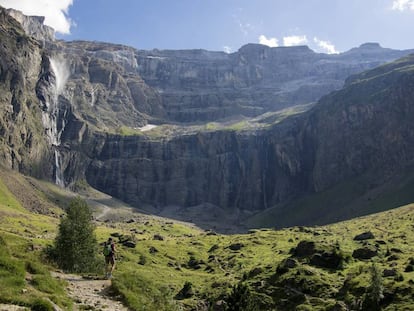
<point x="53" y="118"/>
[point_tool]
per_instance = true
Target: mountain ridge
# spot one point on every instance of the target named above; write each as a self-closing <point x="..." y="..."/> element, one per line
<point x="218" y="136"/>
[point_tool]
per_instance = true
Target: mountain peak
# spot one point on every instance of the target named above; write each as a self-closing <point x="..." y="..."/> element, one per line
<point x="370" y="45"/>
<point x="33" y="25"/>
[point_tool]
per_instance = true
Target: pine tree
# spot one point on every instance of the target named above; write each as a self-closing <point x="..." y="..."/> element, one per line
<point x="76" y="244"/>
<point x="374" y="293"/>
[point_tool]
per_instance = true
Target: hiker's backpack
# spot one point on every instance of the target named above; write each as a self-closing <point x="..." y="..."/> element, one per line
<point x="107" y="250"/>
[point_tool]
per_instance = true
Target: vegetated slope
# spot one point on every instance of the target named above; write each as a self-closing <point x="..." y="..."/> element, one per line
<point x="24" y="277"/>
<point x="164" y="265"/>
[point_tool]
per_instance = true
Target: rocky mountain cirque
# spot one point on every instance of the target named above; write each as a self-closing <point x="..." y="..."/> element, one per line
<point x="83" y="95"/>
<point x="200" y="86"/>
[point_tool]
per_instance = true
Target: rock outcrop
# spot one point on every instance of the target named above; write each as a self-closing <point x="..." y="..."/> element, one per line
<point x="33" y="26"/>
<point x="22" y="144"/>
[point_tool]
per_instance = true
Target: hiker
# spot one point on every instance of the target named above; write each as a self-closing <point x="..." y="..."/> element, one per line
<point x="109" y="253"/>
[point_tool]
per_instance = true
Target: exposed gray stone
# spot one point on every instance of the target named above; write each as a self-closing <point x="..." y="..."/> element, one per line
<point x="389" y="272"/>
<point x="304" y="249"/>
<point x="365" y="253"/>
<point x="236" y="246"/>
<point x="158" y="237"/>
<point x="129" y="244"/>
<point x="364" y="236"/>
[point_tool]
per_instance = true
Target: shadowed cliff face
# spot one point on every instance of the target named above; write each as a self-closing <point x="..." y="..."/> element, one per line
<point x="228" y="169"/>
<point x="366" y="126"/>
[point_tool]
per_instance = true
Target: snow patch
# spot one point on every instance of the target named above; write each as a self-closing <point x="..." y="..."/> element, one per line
<point x="147" y="127"/>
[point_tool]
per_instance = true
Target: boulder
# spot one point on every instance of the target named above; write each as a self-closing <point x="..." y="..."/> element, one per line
<point x="255" y="271"/>
<point x="389" y="272"/>
<point x="158" y="237"/>
<point x="285" y="265"/>
<point x="129" y="244"/>
<point x="194" y="263"/>
<point x="220" y="305"/>
<point x="328" y="260"/>
<point x="153" y="250"/>
<point x="304" y="249"/>
<point x="185" y="292"/>
<point x="236" y="246"/>
<point x="364" y="236"/>
<point x="365" y="253"/>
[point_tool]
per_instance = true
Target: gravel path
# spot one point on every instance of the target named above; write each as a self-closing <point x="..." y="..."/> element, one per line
<point x="90" y="294"/>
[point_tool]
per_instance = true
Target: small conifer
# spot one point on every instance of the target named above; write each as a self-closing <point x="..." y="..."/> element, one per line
<point x="76" y="244"/>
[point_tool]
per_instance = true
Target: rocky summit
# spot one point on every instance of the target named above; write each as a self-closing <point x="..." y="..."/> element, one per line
<point x="262" y="136"/>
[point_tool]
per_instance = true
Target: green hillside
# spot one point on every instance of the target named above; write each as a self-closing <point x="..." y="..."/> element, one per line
<point x="175" y="266"/>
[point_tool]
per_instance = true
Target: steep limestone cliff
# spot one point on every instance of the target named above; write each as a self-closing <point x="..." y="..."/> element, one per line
<point x="367" y="126"/>
<point x="202" y="86"/>
<point x="22" y="144"/>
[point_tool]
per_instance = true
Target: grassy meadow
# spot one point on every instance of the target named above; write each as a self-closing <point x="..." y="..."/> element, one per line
<point x="175" y="266"/>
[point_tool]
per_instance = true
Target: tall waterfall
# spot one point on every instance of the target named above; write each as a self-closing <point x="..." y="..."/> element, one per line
<point x="53" y="117"/>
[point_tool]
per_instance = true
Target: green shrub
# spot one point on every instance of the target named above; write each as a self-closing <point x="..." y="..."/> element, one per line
<point x="142" y="259"/>
<point x="241" y="299"/>
<point x="41" y="305"/>
<point x="186" y="291"/>
<point x="374" y="293"/>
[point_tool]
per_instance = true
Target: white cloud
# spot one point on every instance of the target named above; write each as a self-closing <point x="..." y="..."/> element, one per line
<point x="227" y="49"/>
<point x="294" y="40"/>
<point x="326" y="46"/>
<point x="403" y="5"/>
<point x="272" y="42"/>
<point x="54" y="11"/>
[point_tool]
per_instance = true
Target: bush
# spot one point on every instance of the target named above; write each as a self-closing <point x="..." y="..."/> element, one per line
<point x="374" y="293"/>
<point x="242" y="299"/>
<point x="142" y="260"/>
<point x="76" y="245"/>
<point x="41" y="305"/>
<point x="186" y="291"/>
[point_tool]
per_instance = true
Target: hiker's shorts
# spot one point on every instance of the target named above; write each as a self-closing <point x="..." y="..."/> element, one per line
<point x="110" y="259"/>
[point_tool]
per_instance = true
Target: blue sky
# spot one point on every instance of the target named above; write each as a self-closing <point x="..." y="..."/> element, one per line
<point x="328" y="26"/>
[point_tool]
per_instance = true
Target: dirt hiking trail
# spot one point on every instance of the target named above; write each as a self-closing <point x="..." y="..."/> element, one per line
<point x="90" y="294"/>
